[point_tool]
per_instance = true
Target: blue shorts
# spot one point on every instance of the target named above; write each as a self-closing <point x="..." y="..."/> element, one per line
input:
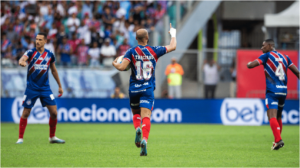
<point x="142" y="98"/>
<point x="273" y="101"/>
<point x="30" y="97"/>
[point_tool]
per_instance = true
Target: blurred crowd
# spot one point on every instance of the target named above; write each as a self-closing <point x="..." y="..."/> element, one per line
<point x="85" y="33"/>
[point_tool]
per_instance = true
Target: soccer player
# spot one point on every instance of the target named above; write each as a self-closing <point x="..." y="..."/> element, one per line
<point x="275" y="69"/>
<point x="142" y="59"/>
<point x="39" y="60"/>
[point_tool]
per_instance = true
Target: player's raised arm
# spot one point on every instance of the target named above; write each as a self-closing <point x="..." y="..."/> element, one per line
<point x="120" y="66"/>
<point x="295" y="70"/>
<point x="56" y="77"/>
<point x="173" y="42"/>
<point x="22" y="61"/>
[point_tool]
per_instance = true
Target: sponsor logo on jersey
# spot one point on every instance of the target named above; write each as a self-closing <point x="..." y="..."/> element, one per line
<point x="40" y="67"/>
<point x="274" y="103"/>
<point x="144" y="101"/>
<point x="137" y="91"/>
<point x="281" y="86"/>
<point x="143" y="57"/>
<point x="139" y="85"/>
<point x="242" y="112"/>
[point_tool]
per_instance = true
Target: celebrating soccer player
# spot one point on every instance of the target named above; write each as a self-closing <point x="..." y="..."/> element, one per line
<point x="275" y="68"/>
<point x="38" y="86"/>
<point x="142" y="59"/>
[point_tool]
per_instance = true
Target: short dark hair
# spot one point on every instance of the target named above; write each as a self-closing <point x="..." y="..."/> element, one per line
<point x="270" y="41"/>
<point x="43" y="34"/>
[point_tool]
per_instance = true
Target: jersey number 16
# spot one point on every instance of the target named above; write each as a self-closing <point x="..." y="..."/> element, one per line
<point x="145" y="72"/>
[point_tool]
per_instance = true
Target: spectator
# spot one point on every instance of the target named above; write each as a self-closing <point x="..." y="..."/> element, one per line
<point x="108" y="52"/>
<point x="174" y="74"/>
<point x="233" y="78"/>
<point x="120" y="12"/>
<point x="84" y="33"/>
<point x="11" y="35"/>
<point x="87" y="8"/>
<point x="82" y="52"/>
<point x="65" y="51"/>
<point x="52" y="32"/>
<point x="20" y="50"/>
<point x="5" y="45"/>
<point x="73" y="9"/>
<point x="73" y="23"/>
<point x="18" y="28"/>
<point x="117" y="94"/>
<point x="149" y="25"/>
<point x="108" y="18"/>
<point x="31" y="44"/>
<point x="49" y="45"/>
<point x="123" y="48"/>
<point x="60" y="35"/>
<point x="44" y="8"/>
<point x="211" y="77"/>
<point x="94" y="54"/>
<point x="74" y="42"/>
<point x="159" y="13"/>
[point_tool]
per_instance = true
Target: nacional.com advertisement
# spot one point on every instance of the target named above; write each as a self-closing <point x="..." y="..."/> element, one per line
<point x="215" y="111"/>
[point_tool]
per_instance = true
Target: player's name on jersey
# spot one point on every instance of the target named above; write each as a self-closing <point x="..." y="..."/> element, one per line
<point x="142" y="57"/>
<point x="40" y="67"/>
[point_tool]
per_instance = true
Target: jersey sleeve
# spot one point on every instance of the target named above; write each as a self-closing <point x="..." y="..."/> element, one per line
<point x="28" y="54"/>
<point x="263" y="59"/>
<point x="127" y="55"/>
<point x="53" y="59"/>
<point x="289" y="61"/>
<point x="160" y="50"/>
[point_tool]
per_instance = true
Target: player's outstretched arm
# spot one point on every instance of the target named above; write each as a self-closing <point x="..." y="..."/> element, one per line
<point x="56" y="77"/>
<point x="22" y="61"/>
<point x="120" y="66"/>
<point x="295" y="70"/>
<point x="173" y="42"/>
<point x="253" y="64"/>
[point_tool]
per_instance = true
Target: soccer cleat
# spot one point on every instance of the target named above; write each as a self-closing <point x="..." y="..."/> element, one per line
<point x="138" y="135"/>
<point x="143" y="148"/>
<point x="277" y="145"/>
<point x="20" y="141"/>
<point x="56" y="140"/>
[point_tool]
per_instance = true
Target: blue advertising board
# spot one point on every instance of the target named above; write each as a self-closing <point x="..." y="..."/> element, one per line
<point x="215" y="111"/>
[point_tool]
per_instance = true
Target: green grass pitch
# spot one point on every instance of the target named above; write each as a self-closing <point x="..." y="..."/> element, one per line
<point x="172" y="145"/>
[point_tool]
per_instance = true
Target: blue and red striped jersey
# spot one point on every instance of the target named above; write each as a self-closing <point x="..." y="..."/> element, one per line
<point x="38" y="66"/>
<point x="275" y="68"/>
<point x="143" y="62"/>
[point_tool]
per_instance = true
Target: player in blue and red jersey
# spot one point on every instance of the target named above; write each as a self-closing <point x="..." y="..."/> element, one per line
<point x="39" y="60"/>
<point x="142" y="59"/>
<point x="275" y="68"/>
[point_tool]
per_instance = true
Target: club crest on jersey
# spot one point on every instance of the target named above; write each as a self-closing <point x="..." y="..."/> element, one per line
<point x="47" y="59"/>
<point x="28" y="102"/>
<point x="41" y="58"/>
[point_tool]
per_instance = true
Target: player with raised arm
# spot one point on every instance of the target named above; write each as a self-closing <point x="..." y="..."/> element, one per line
<point x="142" y="59"/>
<point x="275" y="69"/>
<point x="38" y="60"/>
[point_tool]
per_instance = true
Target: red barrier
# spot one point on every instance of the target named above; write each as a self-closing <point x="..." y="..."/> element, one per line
<point x="252" y="82"/>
